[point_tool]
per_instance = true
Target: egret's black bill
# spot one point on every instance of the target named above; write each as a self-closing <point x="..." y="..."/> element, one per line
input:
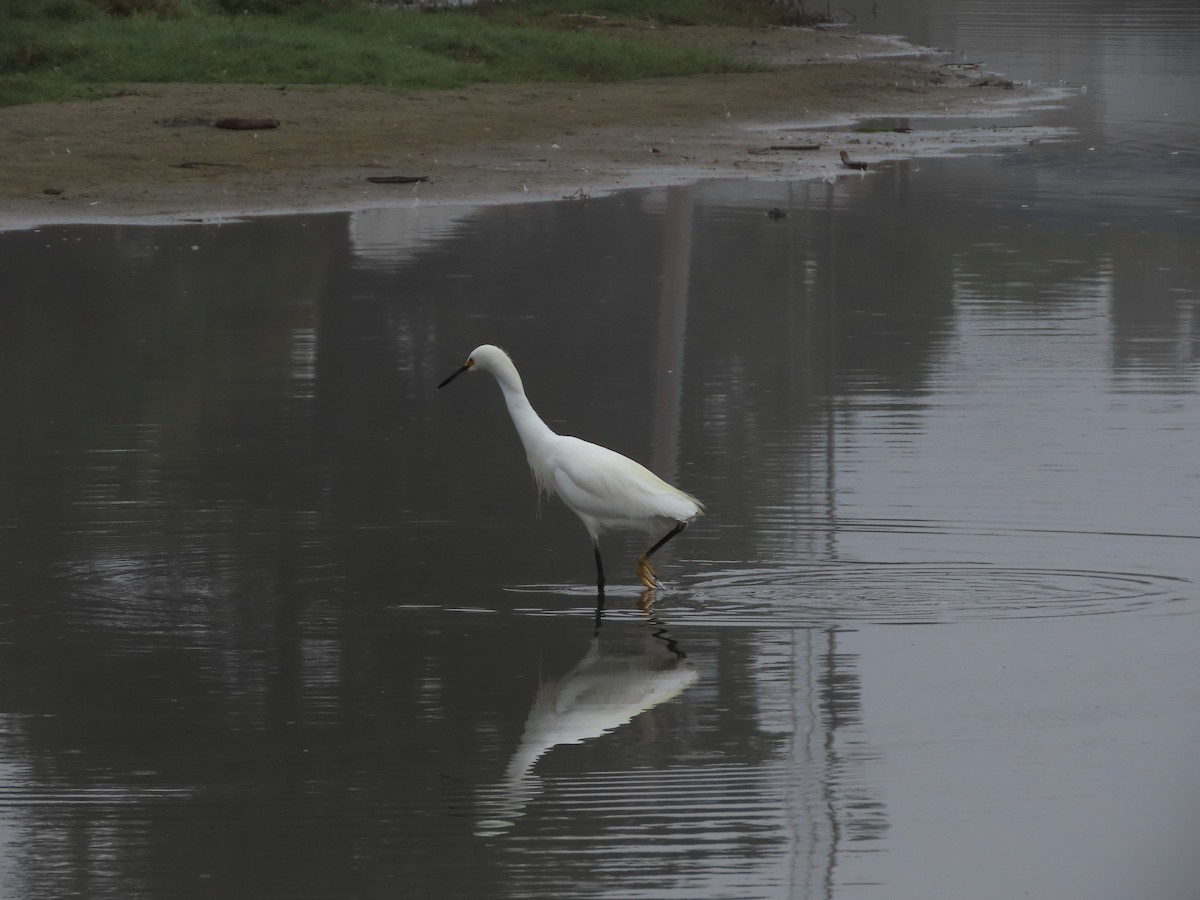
<point x="455" y="374"/>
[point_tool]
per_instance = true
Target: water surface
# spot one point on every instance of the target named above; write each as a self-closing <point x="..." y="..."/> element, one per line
<point x="280" y="620"/>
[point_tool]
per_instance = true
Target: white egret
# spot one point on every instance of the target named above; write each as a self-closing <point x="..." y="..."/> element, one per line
<point x="605" y="489"/>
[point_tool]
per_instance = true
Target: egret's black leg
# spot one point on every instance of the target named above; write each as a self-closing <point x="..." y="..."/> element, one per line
<point x="679" y="526"/>
<point x="645" y="573"/>
<point x="599" y="569"/>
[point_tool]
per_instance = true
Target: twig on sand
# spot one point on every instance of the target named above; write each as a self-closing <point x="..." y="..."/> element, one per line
<point x="199" y="164"/>
<point x="795" y="148"/>
<point x="851" y="163"/>
<point x="246" y="123"/>
<point x="396" y="179"/>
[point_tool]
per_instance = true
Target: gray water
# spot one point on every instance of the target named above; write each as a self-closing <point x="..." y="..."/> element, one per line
<point x="279" y="620"/>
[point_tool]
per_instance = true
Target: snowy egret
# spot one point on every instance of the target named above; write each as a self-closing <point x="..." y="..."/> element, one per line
<point x="605" y="489"/>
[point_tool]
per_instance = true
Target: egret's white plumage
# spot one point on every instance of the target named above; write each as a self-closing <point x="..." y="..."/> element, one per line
<point x="606" y="490"/>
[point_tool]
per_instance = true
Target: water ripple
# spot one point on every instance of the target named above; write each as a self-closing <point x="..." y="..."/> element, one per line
<point x="908" y="593"/>
<point x="778" y="825"/>
<point x="919" y="593"/>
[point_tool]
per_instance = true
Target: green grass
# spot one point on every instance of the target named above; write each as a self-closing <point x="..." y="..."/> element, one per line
<point x="740" y="13"/>
<point x="70" y="49"/>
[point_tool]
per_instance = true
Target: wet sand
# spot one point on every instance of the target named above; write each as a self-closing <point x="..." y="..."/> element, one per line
<point x="152" y="153"/>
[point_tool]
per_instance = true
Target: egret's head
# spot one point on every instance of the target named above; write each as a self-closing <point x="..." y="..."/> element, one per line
<point x="485" y="358"/>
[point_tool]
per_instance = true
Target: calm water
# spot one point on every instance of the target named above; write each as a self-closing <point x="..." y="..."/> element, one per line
<point x="278" y="620"/>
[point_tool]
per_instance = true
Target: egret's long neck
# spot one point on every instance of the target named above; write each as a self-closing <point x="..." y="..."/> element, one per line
<point x="535" y="434"/>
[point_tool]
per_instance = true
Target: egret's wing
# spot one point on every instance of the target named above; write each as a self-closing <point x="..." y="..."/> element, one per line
<point x="613" y="489"/>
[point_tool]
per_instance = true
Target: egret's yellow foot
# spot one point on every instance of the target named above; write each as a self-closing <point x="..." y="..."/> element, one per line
<point x="646" y="574"/>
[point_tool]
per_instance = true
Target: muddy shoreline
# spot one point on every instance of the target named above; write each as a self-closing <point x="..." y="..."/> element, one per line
<point x="151" y="154"/>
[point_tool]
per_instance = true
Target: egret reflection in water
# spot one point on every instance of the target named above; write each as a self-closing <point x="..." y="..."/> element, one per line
<point x="605" y="690"/>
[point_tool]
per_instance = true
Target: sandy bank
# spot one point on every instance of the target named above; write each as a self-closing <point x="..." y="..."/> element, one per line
<point x="152" y="153"/>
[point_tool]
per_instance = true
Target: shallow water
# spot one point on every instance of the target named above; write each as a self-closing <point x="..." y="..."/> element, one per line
<point x="279" y="620"/>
